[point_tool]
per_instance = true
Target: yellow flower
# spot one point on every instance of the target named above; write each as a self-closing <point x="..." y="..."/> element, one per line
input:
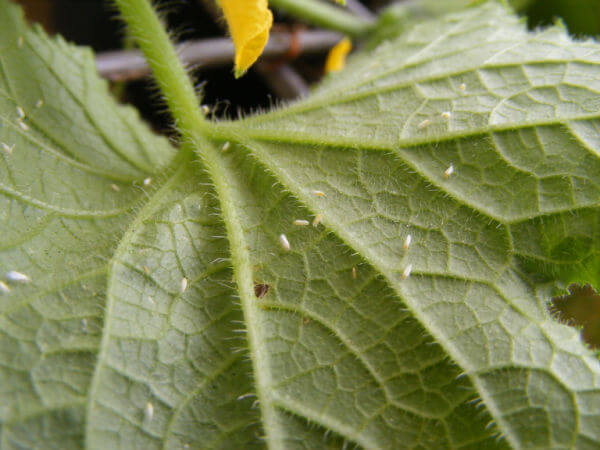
<point x="249" y="23"/>
<point x="336" y="59"/>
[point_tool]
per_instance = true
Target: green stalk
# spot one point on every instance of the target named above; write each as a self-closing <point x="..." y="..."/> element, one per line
<point x="324" y="15"/>
<point x="172" y="78"/>
<point x="177" y="88"/>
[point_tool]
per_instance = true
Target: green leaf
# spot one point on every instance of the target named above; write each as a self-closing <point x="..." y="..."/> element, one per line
<point x="516" y="116"/>
<point x="60" y="221"/>
<point x="334" y="352"/>
<point x="170" y="346"/>
<point x="328" y="343"/>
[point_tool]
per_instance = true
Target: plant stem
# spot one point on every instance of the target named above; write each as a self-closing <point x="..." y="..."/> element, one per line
<point x="172" y="78"/>
<point x="178" y="90"/>
<point x="324" y="15"/>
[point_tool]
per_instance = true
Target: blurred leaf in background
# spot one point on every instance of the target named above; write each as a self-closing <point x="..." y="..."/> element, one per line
<point x="582" y="17"/>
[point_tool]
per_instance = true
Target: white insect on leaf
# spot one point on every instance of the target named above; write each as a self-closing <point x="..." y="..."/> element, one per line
<point x="300" y="222"/>
<point x="449" y="171"/>
<point x="20" y="113"/>
<point x="17" y="277"/>
<point x="319" y="193"/>
<point x="4" y="289"/>
<point x="407" y="242"/>
<point x="225" y="146"/>
<point x="317" y="220"/>
<point x="115" y="188"/>
<point x="284" y="242"/>
<point x="184" y="283"/>
<point x="463" y="87"/>
<point x="205" y="109"/>
<point x="147" y="181"/>
<point x="8" y="148"/>
<point x="39" y="103"/>
<point x="424" y="124"/>
<point x="20" y="41"/>
<point x="446" y="115"/>
<point x="148" y="412"/>
<point x="407" y="271"/>
<point x="23" y="125"/>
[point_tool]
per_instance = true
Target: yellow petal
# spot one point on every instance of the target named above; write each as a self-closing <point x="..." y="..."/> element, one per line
<point x="336" y="59"/>
<point x="249" y="23"/>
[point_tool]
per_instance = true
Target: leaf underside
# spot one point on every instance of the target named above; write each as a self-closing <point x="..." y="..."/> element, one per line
<point x="461" y="354"/>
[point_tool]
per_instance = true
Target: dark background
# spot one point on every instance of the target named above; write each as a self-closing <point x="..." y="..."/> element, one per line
<point x="93" y="23"/>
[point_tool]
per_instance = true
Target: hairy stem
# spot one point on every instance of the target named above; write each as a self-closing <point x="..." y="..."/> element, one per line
<point x="146" y="27"/>
<point x="181" y="98"/>
<point x="325" y="15"/>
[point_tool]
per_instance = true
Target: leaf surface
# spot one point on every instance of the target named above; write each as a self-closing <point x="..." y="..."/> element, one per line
<point x="480" y="140"/>
<point x="333" y="346"/>
<point x="60" y="219"/>
<point x="170" y="345"/>
<point x="328" y="343"/>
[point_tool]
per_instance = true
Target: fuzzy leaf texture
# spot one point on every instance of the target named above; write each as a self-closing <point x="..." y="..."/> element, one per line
<point x="105" y="347"/>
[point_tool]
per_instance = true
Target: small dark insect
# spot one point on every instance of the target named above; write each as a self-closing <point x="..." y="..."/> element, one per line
<point x="260" y="290"/>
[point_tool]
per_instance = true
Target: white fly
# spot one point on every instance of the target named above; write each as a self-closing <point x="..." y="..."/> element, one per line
<point x="148" y="412"/>
<point x="449" y="171"/>
<point x="424" y="124"/>
<point x="407" y="242"/>
<point x="17" y="277"/>
<point x="284" y="242"/>
<point x="8" y="148"/>
<point x="317" y="220"/>
<point x="23" y="125"/>
<point x="184" y="283"/>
